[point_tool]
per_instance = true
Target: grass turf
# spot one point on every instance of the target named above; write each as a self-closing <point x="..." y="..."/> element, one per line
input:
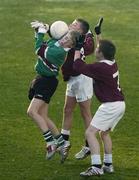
<point x="22" y="154"/>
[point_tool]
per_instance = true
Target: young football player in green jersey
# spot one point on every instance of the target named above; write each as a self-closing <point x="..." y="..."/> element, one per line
<point x="51" y="56"/>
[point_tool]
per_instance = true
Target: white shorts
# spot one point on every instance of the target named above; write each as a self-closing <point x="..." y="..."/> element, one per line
<point x="108" y="115"/>
<point x="80" y="87"/>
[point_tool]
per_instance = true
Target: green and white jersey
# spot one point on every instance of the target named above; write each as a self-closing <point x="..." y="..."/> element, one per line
<point x="50" y="56"/>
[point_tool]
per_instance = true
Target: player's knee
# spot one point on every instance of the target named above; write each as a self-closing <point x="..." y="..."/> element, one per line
<point x="104" y="135"/>
<point x="68" y="110"/>
<point x="87" y="117"/>
<point x="86" y="133"/>
<point x="90" y="131"/>
<point x="30" y="112"/>
<point x="85" y="111"/>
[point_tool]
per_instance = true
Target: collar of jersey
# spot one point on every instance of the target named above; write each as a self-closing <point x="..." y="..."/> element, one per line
<point x="108" y="61"/>
<point x="57" y="44"/>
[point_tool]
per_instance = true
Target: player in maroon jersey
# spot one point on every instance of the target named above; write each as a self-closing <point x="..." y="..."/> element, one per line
<point x="79" y="87"/>
<point x="105" y="76"/>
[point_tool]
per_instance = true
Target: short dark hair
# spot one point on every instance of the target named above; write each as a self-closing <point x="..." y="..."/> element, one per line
<point x="84" y="24"/>
<point x="107" y="48"/>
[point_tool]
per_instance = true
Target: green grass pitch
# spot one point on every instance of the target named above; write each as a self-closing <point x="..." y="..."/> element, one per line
<point x="22" y="154"/>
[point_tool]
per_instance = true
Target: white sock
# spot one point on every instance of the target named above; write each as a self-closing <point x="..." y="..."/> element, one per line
<point x="95" y="159"/>
<point x="66" y="132"/>
<point x="107" y="158"/>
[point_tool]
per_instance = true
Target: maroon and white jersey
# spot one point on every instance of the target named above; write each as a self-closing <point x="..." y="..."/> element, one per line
<point x="106" y="79"/>
<point x="67" y="67"/>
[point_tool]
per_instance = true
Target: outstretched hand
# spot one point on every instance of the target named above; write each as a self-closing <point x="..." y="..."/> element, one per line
<point x="79" y="42"/>
<point x="36" y="24"/>
<point x="98" y="26"/>
<point x="39" y="26"/>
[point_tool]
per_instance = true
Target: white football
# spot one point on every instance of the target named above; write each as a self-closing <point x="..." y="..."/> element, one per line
<point x="58" y="29"/>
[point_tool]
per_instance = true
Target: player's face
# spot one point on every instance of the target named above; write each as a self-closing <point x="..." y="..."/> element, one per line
<point x="75" y="26"/>
<point x="66" y="41"/>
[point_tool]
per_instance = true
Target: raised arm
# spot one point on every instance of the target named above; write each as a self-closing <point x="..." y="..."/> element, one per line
<point x="89" y="45"/>
<point x="40" y="30"/>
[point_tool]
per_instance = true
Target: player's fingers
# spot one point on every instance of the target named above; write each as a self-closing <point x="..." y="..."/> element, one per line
<point x="33" y="22"/>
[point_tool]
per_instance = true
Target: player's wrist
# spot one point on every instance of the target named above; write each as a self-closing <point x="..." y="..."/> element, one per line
<point x="78" y="48"/>
<point x="35" y="34"/>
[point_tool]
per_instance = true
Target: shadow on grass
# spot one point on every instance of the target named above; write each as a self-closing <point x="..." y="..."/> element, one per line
<point x="33" y="166"/>
<point x="71" y="169"/>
